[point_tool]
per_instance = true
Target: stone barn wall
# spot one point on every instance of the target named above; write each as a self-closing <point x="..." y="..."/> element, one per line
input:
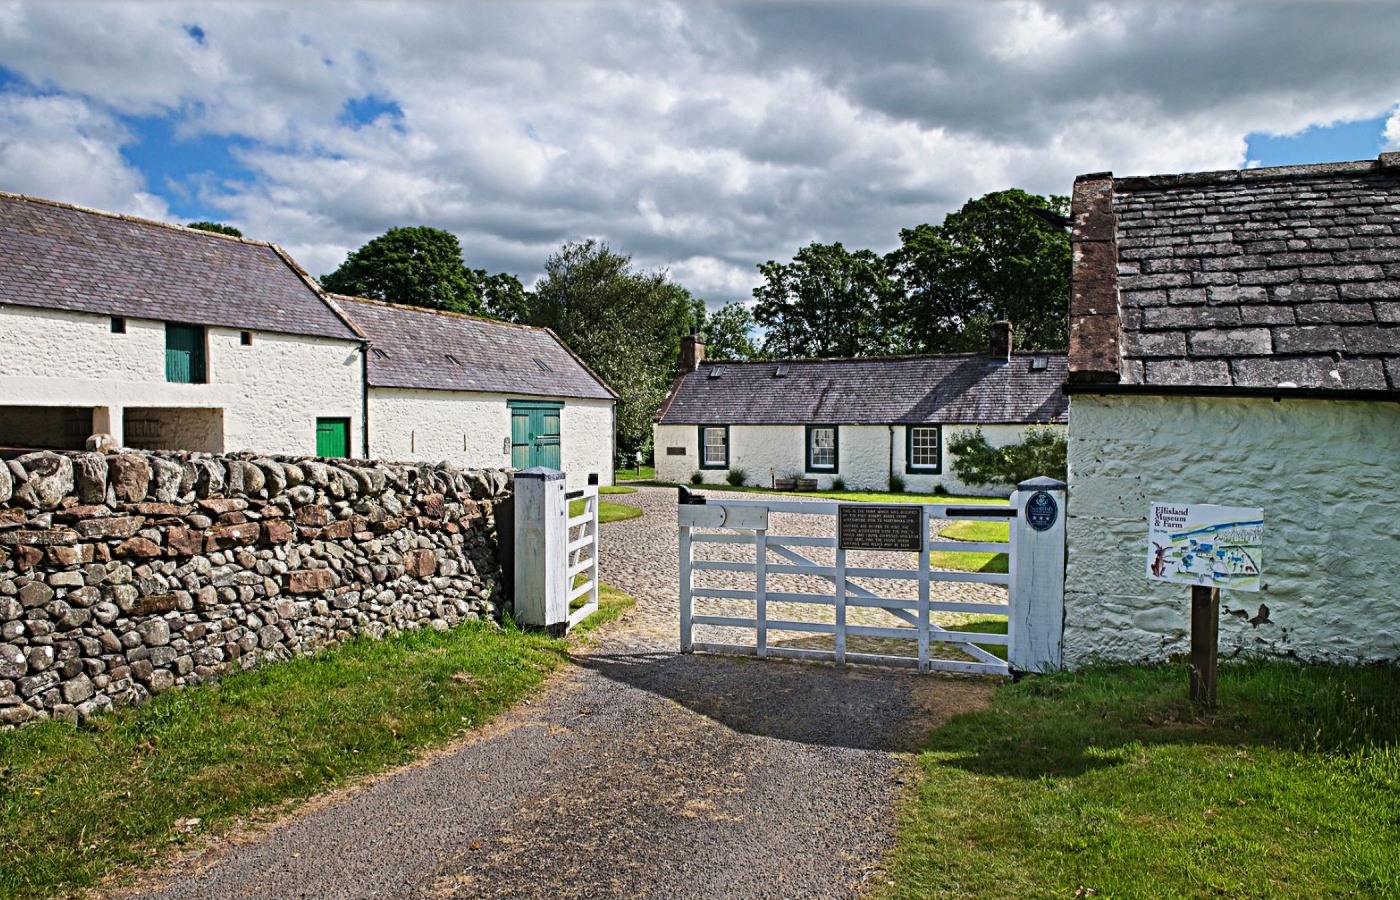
<point x="124" y="575"/>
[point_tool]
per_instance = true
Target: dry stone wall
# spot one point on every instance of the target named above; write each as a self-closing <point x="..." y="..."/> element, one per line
<point x="124" y="575"/>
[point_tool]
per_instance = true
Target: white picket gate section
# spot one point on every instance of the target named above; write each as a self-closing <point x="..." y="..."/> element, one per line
<point x="582" y="555"/>
<point x="903" y="630"/>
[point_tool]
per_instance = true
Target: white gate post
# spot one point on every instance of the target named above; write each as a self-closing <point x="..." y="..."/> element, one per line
<point x="1035" y="620"/>
<point x="541" y="549"/>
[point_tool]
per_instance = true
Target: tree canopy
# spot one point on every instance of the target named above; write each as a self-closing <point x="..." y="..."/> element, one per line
<point x="422" y="266"/>
<point x="828" y="301"/>
<point x="216" y="227"/>
<point x="728" y="333"/>
<point x="993" y="254"/>
<point x="624" y="322"/>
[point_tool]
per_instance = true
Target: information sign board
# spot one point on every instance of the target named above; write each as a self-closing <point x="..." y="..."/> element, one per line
<point x="1206" y="546"/>
<point x="867" y="526"/>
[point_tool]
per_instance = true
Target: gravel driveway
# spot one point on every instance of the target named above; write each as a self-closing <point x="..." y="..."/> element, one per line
<point x="638" y="773"/>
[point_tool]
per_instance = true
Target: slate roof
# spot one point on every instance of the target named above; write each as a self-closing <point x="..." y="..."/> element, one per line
<point x="57" y="256"/>
<point x="906" y="390"/>
<point x="413" y="347"/>
<point x="1250" y="279"/>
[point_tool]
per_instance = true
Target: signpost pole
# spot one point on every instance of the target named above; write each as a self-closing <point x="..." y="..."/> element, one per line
<point x="1205" y="643"/>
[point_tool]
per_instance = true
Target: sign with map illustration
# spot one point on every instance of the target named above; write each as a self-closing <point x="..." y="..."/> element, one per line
<point x="1209" y="546"/>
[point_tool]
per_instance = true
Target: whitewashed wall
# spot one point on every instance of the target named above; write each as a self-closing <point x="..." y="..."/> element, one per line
<point x="473" y="430"/>
<point x="1324" y="473"/>
<point x="271" y="393"/>
<point x="764" y="450"/>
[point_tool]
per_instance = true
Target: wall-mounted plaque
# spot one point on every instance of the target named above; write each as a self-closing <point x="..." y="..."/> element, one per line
<point x="866" y="526"/>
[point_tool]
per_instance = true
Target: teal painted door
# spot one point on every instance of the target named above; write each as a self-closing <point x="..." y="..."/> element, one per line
<point x="333" y="437"/>
<point x="184" y="354"/>
<point x="534" y="437"/>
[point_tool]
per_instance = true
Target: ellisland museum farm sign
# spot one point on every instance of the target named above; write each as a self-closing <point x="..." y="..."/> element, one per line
<point x="1205" y="546"/>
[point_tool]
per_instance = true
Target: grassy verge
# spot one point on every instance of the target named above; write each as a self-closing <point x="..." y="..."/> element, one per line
<point x="1110" y="781"/>
<point x="647" y="473"/>
<point x="617" y="489"/>
<point x="77" y="803"/>
<point x="860" y="496"/>
<point x="969" y="530"/>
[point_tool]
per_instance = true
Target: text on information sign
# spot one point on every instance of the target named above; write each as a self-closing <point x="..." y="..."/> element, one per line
<point x="868" y="527"/>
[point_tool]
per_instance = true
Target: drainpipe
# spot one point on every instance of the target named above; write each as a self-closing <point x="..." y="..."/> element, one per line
<point x="364" y="392"/>
<point x="891" y="478"/>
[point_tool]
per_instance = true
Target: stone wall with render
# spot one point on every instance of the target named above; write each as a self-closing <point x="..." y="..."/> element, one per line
<point x="124" y="575"/>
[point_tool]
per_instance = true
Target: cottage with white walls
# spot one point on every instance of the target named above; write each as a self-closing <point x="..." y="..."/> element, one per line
<point x="857" y="420"/>
<point x="1235" y="340"/>
<point x="481" y="393"/>
<point x="167" y="337"/>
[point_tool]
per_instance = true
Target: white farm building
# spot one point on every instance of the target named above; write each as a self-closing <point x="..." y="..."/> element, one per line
<point x="858" y="420"/>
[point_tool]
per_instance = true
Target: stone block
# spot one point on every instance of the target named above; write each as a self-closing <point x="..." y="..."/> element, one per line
<point x="155" y="604"/>
<point x="39" y="537"/>
<point x="225" y="536"/>
<point x="419" y="563"/>
<point x="90" y="478"/>
<point x="277" y="532"/>
<point x="12" y="518"/>
<point x="117" y="527"/>
<point x="137" y="548"/>
<point x="66" y="579"/>
<point x="36" y="593"/>
<point x="130" y="477"/>
<point x="154" y="632"/>
<point x="184" y="541"/>
<point x="77" y="690"/>
<point x="315" y="516"/>
<point x="309" y="581"/>
<point x="64" y="556"/>
<point x="13" y="662"/>
<point x="48" y="479"/>
<point x="338" y="531"/>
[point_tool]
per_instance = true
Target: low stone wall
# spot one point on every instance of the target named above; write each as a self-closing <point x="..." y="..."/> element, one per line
<point x="124" y="575"/>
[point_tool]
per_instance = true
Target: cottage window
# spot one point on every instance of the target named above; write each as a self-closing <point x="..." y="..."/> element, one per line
<point x="923" y="446"/>
<point x="185" y="354"/>
<point x="821" y="448"/>
<point x="714" y="446"/>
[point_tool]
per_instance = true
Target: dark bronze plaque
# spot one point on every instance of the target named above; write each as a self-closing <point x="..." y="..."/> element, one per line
<point x="863" y="526"/>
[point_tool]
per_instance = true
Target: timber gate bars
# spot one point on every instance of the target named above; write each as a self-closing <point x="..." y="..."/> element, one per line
<point x="856" y="583"/>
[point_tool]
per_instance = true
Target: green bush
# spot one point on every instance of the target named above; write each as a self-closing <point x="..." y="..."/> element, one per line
<point x="697" y="477"/>
<point x="838" y="483"/>
<point x="1043" y="452"/>
<point x="896" y="483"/>
<point x="736" y="477"/>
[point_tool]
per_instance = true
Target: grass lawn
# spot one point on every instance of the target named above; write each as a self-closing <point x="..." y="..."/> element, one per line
<point x="77" y="803"/>
<point x="648" y="473"/>
<point x="607" y="512"/>
<point x="860" y="496"/>
<point x="1110" y="781"/>
<point x="970" y="530"/>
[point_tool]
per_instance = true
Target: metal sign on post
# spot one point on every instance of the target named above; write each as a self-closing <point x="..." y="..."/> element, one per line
<point x="1208" y="547"/>
<point x="867" y="526"/>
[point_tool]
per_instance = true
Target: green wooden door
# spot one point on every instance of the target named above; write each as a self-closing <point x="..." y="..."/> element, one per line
<point x="333" y="437"/>
<point x="184" y="354"/>
<point x="534" y="436"/>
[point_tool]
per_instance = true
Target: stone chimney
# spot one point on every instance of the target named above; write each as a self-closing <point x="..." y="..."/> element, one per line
<point x="1001" y="338"/>
<point x="692" y="352"/>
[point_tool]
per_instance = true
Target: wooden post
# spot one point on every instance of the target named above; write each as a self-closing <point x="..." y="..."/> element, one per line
<point x="541" y="549"/>
<point x="1036" y="599"/>
<point x="1205" y="642"/>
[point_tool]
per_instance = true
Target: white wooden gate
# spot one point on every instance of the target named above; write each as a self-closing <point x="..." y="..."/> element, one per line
<point x="886" y="601"/>
<point x="582" y="555"/>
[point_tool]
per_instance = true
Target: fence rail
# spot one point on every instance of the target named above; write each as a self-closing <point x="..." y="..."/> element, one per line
<point x="582" y="555"/>
<point x="907" y="621"/>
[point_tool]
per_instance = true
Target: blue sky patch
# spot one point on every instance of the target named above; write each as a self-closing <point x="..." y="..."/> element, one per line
<point x="361" y="111"/>
<point x="195" y="32"/>
<point x="176" y="168"/>
<point x="1343" y="142"/>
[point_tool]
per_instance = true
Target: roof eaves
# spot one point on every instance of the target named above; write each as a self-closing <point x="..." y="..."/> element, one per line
<point x="586" y="367"/>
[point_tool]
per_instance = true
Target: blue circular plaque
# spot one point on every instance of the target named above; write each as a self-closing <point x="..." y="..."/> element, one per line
<point x="1041" y="511"/>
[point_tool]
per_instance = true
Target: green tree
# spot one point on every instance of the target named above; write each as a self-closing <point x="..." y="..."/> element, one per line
<point x="993" y="254"/>
<point x="624" y="322"/>
<point x="1042" y="452"/>
<point x="216" y="227"/>
<point x="827" y="302"/>
<point x="729" y="333"/>
<point x="422" y="266"/>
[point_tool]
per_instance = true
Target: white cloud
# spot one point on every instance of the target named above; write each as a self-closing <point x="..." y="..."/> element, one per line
<point x="703" y="138"/>
<point x="1392" y="130"/>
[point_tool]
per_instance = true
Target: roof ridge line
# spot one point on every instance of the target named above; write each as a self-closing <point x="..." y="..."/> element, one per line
<point x="139" y="220"/>
<point x="451" y="313"/>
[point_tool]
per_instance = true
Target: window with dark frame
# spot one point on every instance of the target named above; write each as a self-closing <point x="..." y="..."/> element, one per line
<point x="923" y="449"/>
<point x="822" y="448"/>
<point x="118" y="325"/>
<point x="245" y="338"/>
<point x="714" y="446"/>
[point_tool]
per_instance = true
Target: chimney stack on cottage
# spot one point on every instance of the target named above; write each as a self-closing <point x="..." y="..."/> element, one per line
<point x="1001" y="338"/>
<point x="692" y="351"/>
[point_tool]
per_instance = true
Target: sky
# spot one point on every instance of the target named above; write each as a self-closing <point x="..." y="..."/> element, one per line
<point x="700" y="138"/>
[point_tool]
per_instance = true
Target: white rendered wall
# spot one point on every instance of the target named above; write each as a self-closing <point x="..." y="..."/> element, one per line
<point x="1324" y="473"/>
<point x="473" y="430"/>
<point x="271" y="392"/>
<point x="864" y="453"/>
